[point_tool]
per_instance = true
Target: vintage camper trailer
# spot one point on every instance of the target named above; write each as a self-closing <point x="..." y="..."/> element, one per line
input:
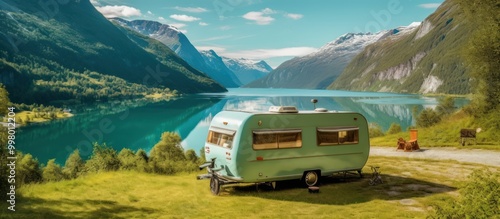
<point x="283" y="144"/>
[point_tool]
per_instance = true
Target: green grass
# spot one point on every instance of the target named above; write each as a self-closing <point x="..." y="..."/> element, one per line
<point x="410" y="188"/>
<point x="445" y="134"/>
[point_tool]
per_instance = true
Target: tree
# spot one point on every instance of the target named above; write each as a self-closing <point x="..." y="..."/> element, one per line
<point x="103" y="158"/>
<point x="483" y="53"/>
<point x="74" y="165"/>
<point x="141" y="161"/>
<point x="394" y="129"/>
<point x="127" y="159"/>
<point x="375" y="130"/>
<point x="446" y="106"/>
<point x="52" y="172"/>
<point x="4" y="100"/>
<point x="191" y="156"/>
<point x="27" y="170"/>
<point x="427" y="118"/>
<point x="167" y="154"/>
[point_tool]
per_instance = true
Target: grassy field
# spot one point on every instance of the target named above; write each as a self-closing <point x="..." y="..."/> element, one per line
<point x="444" y="134"/>
<point x="410" y="188"/>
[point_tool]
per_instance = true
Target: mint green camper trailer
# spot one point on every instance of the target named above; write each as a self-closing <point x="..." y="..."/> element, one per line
<point x="283" y="144"/>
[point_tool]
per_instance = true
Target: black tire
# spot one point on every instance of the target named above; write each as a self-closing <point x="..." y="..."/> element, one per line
<point x="311" y="178"/>
<point x="214" y="185"/>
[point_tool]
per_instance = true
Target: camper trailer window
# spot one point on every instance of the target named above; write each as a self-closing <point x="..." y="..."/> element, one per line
<point x="337" y="135"/>
<point x="274" y="139"/>
<point x="221" y="139"/>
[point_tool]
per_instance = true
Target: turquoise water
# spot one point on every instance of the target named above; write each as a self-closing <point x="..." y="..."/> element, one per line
<point x="140" y="124"/>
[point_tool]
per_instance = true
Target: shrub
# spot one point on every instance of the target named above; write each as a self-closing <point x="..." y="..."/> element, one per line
<point x="375" y="130"/>
<point x="394" y="129"/>
<point x="479" y="198"/>
<point x="27" y="170"/>
<point x="52" y="172"/>
<point x="167" y="155"/>
<point x="446" y="106"/>
<point x="74" y="165"/>
<point x="427" y="118"/>
<point x="141" y="161"/>
<point x="127" y="159"/>
<point x="191" y="156"/>
<point x="103" y="158"/>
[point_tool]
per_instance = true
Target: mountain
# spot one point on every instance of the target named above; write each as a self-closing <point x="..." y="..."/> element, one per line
<point x="181" y="45"/>
<point x="214" y="62"/>
<point x="247" y="70"/>
<point x="319" y="69"/>
<point x="68" y="49"/>
<point x="427" y="60"/>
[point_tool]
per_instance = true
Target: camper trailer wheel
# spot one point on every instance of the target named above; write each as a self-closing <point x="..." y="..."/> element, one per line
<point x="214" y="185"/>
<point x="311" y="178"/>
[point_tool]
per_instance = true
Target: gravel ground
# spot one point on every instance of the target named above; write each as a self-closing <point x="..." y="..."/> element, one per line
<point x="486" y="157"/>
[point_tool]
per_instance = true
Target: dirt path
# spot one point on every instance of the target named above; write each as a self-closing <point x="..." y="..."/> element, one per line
<point x="486" y="157"/>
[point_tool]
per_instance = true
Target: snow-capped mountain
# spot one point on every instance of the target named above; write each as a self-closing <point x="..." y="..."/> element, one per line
<point x="319" y="69"/>
<point x="247" y="70"/>
<point x="214" y="61"/>
<point x="180" y="44"/>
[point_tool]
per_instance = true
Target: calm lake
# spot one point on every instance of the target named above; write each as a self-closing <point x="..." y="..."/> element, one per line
<point x="139" y="124"/>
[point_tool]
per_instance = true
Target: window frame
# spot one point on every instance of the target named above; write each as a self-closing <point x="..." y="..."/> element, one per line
<point x="223" y="132"/>
<point x="338" y="131"/>
<point x="276" y="133"/>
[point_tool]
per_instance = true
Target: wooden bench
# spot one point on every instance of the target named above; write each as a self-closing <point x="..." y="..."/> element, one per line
<point x="466" y="134"/>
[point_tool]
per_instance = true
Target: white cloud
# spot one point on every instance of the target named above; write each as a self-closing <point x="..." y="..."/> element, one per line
<point x="260" y="17"/>
<point x="270" y="53"/>
<point x="118" y="11"/>
<point x="190" y="9"/>
<point x="214" y="38"/>
<point x="294" y="16"/>
<point x="217" y="49"/>
<point x="178" y="25"/>
<point x="150" y="13"/>
<point x="183" y="17"/>
<point x="203" y="24"/>
<point x="94" y="2"/>
<point x="162" y="19"/>
<point x="430" y="5"/>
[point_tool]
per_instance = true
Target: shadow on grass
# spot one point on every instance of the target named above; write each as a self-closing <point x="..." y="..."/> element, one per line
<point x="65" y="208"/>
<point x="339" y="190"/>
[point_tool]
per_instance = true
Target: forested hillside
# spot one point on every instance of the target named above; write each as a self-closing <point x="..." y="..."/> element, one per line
<point x="70" y="51"/>
<point x="427" y="61"/>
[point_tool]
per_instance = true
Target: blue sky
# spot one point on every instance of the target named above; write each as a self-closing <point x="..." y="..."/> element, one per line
<point x="270" y="30"/>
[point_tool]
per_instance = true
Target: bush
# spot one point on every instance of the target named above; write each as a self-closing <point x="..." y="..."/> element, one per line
<point x="479" y="198"/>
<point x="394" y="129"/>
<point x="191" y="156"/>
<point x="103" y="158"/>
<point x="375" y="130"/>
<point x="27" y="170"/>
<point x="127" y="159"/>
<point x="74" y="165"/>
<point x="446" y="106"/>
<point x="167" y="156"/>
<point x="141" y="161"/>
<point x="52" y="172"/>
<point x="428" y="117"/>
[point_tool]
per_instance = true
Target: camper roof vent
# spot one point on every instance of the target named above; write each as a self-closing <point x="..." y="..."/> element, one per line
<point x="283" y="109"/>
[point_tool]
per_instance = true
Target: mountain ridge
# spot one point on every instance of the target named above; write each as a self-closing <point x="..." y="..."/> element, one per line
<point x="72" y="38"/>
<point x="319" y="69"/>
<point x="427" y="60"/>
